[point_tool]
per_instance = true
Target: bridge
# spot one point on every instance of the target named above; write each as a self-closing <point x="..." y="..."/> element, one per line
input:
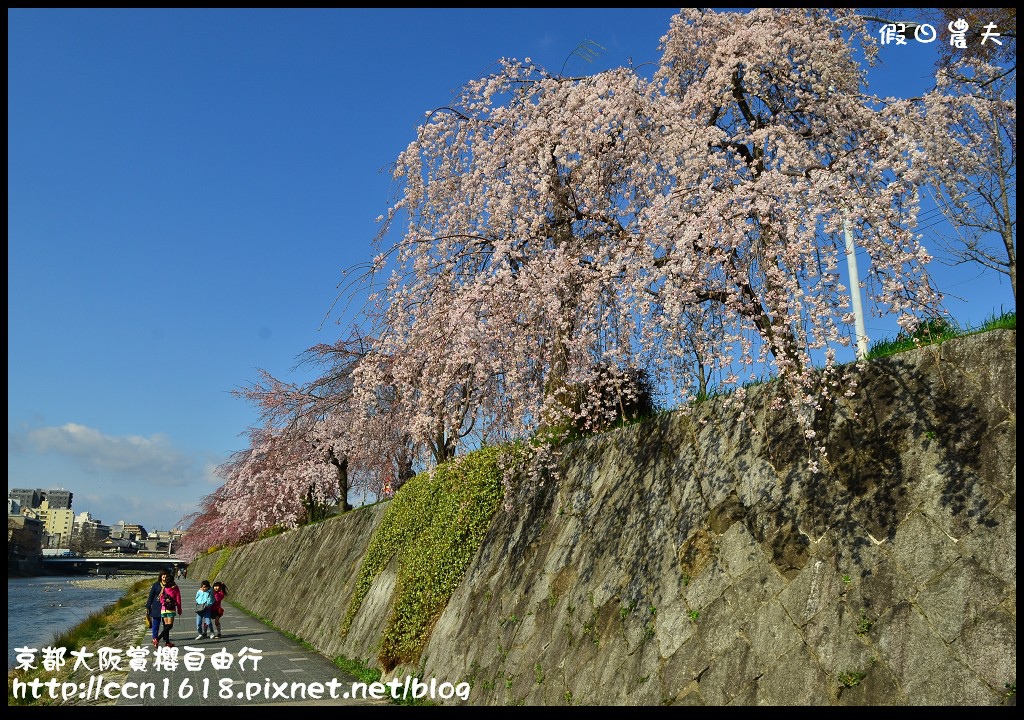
<point x="106" y="564"/>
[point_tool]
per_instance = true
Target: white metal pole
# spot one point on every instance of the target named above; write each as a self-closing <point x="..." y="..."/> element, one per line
<point x="858" y="311"/>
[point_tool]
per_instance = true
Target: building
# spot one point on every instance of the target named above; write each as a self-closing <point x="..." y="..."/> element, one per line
<point x="133" y="531"/>
<point x="27" y="498"/>
<point x="58" y="524"/>
<point x="162" y="542"/>
<point x="88" y="531"/>
<point x="59" y="499"/>
<point x="60" y="528"/>
<point x="33" y="498"/>
<point x="118" y="546"/>
<point x="24" y="545"/>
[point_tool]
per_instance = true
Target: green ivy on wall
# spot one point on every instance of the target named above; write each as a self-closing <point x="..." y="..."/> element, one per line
<point x="222" y="560"/>
<point x="434" y="525"/>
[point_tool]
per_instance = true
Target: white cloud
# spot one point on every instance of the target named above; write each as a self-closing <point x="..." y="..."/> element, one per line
<point x="126" y="457"/>
<point x="115" y="477"/>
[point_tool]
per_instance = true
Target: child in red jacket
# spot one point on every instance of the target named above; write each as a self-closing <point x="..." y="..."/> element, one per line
<point x="220" y="591"/>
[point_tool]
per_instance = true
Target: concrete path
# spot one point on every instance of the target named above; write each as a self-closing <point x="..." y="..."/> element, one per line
<point x="285" y="673"/>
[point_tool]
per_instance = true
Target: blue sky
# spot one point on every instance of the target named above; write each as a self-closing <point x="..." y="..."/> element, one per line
<point x="185" y="188"/>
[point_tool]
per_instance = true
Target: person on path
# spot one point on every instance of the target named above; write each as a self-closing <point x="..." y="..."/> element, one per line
<point x="204" y="616"/>
<point x="170" y="605"/>
<point x="153" y="606"/>
<point x="220" y="591"/>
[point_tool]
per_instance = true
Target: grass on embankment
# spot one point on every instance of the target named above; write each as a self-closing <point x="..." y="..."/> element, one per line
<point x="118" y="624"/>
<point x="938" y="330"/>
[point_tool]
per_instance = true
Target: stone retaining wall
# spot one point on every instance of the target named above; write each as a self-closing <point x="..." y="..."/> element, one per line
<point x="699" y="560"/>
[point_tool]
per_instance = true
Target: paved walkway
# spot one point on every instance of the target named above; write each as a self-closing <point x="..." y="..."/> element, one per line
<point x="285" y="673"/>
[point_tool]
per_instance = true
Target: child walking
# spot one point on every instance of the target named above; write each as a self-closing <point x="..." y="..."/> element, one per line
<point x="220" y="591"/>
<point x="204" y="618"/>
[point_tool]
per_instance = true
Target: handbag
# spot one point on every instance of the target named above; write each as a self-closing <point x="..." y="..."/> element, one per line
<point x="149" y="621"/>
<point x="201" y="608"/>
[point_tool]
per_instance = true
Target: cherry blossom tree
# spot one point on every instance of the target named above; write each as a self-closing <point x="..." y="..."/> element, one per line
<point x="207" y="528"/>
<point x="308" y="418"/>
<point x="773" y="145"/>
<point x="553" y="236"/>
<point x="298" y="464"/>
<point x="557" y="223"/>
<point x="514" y="275"/>
<point x="969" y="128"/>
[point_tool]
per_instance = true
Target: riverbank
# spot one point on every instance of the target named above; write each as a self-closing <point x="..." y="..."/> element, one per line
<point x="112" y="583"/>
<point x="117" y="624"/>
<point x="308" y="677"/>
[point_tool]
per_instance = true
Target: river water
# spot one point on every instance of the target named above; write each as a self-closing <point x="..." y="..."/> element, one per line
<point x="39" y="608"/>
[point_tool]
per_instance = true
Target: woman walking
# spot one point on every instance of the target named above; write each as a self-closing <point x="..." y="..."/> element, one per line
<point x="153" y="605"/>
<point x="170" y="604"/>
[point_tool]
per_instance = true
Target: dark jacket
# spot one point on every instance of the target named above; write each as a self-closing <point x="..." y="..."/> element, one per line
<point x="153" y="601"/>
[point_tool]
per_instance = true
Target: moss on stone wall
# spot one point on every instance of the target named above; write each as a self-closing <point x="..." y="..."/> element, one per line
<point x="222" y="560"/>
<point x="433" y="528"/>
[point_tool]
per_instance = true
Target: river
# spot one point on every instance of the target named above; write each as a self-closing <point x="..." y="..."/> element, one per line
<point x="39" y="608"/>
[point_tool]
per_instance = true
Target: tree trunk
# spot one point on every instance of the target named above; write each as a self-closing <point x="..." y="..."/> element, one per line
<point x="341" y="472"/>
